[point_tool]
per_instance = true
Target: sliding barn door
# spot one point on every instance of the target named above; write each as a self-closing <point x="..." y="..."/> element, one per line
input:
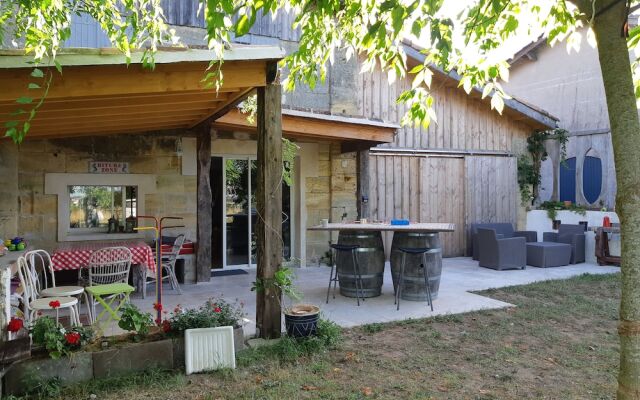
<point x="418" y="188"/>
<point x="491" y="193"/>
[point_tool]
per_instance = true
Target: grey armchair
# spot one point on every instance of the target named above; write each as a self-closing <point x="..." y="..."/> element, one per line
<point x="496" y="253"/>
<point x="569" y="234"/>
<point x="504" y="230"/>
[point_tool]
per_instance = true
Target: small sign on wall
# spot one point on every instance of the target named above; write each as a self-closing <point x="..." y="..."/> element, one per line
<point x="108" y="167"/>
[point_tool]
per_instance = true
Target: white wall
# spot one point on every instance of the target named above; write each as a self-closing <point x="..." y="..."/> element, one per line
<point x="537" y="220"/>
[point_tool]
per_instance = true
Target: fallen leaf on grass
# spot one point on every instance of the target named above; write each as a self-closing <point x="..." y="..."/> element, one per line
<point x="309" y="388"/>
<point x="259" y="379"/>
<point x="337" y="370"/>
<point x="443" y="388"/>
<point x="367" y="391"/>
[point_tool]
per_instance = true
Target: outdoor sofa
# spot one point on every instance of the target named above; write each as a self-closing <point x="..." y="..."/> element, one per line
<point x="572" y="235"/>
<point x="504" y="230"/>
<point x="501" y="253"/>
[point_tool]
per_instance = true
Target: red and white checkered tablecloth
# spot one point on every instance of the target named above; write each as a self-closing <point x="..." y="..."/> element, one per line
<point x="75" y="255"/>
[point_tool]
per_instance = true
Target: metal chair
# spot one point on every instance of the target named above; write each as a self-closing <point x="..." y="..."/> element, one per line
<point x="108" y="280"/>
<point x="168" y="265"/>
<point x="46" y="280"/>
<point x="417" y="251"/>
<point x="33" y="303"/>
<point x="356" y="270"/>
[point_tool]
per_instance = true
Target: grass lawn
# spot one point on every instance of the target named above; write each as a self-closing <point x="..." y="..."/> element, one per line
<point x="559" y="343"/>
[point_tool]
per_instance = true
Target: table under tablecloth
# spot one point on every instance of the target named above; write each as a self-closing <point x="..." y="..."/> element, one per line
<point x="75" y="255"/>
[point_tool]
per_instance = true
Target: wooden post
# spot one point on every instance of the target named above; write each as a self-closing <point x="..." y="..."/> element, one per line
<point x="269" y="207"/>
<point x="204" y="212"/>
<point x="362" y="168"/>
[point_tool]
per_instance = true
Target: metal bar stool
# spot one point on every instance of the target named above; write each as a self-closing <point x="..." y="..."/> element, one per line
<point x="425" y="270"/>
<point x="333" y="277"/>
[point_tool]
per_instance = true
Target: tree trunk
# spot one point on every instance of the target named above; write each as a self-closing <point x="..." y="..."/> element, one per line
<point x="625" y="133"/>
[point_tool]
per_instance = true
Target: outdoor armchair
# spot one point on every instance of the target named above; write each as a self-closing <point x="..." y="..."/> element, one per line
<point x="572" y="235"/>
<point x="504" y="230"/>
<point x="507" y="253"/>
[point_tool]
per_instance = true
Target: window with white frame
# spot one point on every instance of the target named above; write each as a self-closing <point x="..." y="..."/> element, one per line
<point x="91" y="207"/>
<point x="86" y="203"/>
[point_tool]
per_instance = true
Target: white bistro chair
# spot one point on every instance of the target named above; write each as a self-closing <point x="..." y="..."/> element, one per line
<point x="33" y="302"/>
<point x="42" y="269"/>
<point x="168" y="265"/>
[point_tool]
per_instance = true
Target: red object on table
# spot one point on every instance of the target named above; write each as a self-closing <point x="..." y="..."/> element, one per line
<point x="606" y="222"/>
<point x="75" y="255"/>
<point x="187" y="248"/>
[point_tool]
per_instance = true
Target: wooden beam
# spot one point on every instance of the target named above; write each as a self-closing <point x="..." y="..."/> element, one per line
<point x="43" y="128"/>
<point x="204" y="207"/>
<point x="269" y="208"/>
<point x="105" y="80"/>
<point x="106" y="131"/>
<point x="133" y="112"/>
<point x="362" y="168"/>
<point x="312" y="128"/>
<point x="232" y="101"/>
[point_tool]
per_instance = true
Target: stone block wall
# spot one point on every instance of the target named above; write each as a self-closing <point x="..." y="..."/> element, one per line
<point x="332" y="195"/>
<point x="36" y="212"/>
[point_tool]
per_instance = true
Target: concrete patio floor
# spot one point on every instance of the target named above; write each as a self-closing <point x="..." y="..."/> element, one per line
<point x="459" y="277"/>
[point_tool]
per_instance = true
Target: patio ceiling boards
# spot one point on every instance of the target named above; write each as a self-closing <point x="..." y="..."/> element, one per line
<point x="98" y="93"/>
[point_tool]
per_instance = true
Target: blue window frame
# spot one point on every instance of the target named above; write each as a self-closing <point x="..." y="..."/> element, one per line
<point x="592" y="178"/>
<point x="568" y="180"/>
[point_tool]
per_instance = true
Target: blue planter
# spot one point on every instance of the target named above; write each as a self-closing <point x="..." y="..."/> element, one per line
<point x="302" y="320"/>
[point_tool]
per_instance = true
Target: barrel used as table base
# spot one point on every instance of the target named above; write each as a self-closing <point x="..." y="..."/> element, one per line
<point x="414" y="288"/>
<point x="370" y="260"/>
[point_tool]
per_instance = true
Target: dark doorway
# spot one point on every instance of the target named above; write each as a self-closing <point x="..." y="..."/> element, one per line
<point x="217" y="202"/>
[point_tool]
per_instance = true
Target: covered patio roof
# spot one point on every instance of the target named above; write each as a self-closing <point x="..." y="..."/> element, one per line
<point x="99" y="93"/>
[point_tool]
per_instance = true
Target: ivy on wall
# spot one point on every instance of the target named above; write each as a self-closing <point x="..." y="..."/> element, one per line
<point x="529" y="163"/>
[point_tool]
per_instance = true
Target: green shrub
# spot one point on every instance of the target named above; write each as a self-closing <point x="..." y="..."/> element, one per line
<point x="134" y="320"/>
<point x="289" y="349"/>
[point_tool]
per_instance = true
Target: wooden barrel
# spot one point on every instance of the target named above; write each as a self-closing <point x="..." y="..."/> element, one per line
<point x="370" y="260"/>
<point x="414" y="289"/>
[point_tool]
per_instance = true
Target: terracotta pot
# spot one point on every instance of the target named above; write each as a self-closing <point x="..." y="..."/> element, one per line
<point x="567" y="203"/>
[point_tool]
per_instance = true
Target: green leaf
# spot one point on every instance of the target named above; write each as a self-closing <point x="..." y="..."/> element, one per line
<point x="243" y="26"/>
<point x="37" y="73"/>
<point x="58" y="65"/>
<point x="497" y="103"/>
<point x="11" y="124"/>
<point x="34" y="86"/>
<point x="24" y="100"/>
<point x="417" y="69"/>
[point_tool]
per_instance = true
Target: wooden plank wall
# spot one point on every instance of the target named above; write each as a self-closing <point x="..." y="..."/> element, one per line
<point x="185" y="13"/>
<point x="462" y="123"/>
<point x="420" y="189"/>
<point x="491" y="191"/>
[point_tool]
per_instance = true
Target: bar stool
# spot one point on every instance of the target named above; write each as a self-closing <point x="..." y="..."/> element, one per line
<point x="422" y="251"/>
<point x="333" y="277"/>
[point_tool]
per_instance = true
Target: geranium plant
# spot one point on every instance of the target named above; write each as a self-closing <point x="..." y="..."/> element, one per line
<point x="57" y="340"/>
<point x="212" y="314"/>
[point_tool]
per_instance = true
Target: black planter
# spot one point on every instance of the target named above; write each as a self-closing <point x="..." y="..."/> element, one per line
<point x="302" y="320"/>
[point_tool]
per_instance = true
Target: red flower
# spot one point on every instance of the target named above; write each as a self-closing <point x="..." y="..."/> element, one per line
<point x="72" y="338"/>
<point x="15" y="324"/>
<point x="166" y="326"/>
<point x="54" y="304"/>
<point x="158" y="321"/>
<point x="157" y="306"/>
<point x="217" y="309"/>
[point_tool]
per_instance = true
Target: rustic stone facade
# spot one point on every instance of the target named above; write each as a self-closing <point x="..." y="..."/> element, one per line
<point x="25" y="210"/>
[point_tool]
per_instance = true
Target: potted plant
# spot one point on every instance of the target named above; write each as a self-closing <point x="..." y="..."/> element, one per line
<point x="301" y="320"/>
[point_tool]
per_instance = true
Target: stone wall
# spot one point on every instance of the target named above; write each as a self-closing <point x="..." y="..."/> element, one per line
<point x="37" y="212"/>
<point x="329" y="187"/>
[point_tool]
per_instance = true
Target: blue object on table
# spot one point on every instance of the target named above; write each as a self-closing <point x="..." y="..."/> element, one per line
<point x="399" y="222"/>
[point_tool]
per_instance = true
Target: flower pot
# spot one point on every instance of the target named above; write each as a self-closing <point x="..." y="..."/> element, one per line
<point x="302" y="320"/>
<point x="556" y="224"/>
<point x="208" y="349"/>
<point x="567" y="203"/>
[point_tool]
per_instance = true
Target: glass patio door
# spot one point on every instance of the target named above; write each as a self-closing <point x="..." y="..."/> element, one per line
<point x="240" y="216"/>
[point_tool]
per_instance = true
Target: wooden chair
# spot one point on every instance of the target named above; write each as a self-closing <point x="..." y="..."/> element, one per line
<point x="108" y="280"/>
<point x="33" y="303"/>
<point x="168" y="266"/>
